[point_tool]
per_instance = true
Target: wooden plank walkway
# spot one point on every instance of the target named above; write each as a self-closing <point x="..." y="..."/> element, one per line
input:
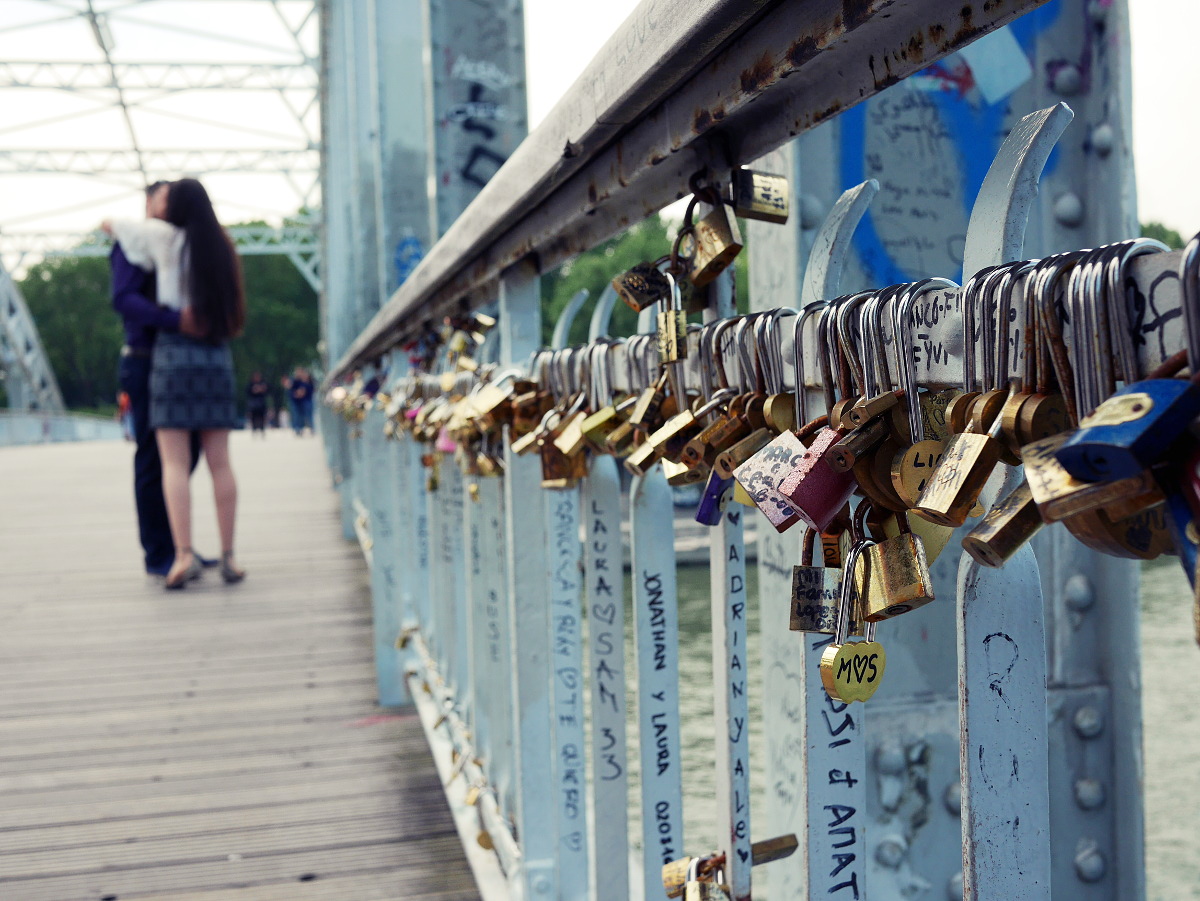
<point x="215" y="744"/>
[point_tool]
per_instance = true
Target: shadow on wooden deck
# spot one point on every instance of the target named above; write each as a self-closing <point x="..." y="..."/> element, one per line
<point x="213" y="744"/>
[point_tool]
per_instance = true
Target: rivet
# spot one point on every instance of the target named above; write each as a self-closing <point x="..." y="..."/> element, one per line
<point x="891" y="851"/>
<point x="954" y="887"/>
<point x="812" y="211"/>
<point x="1078" y="593"/>
<point x="1068" y="80"/>
<point x="952" y="798"/>
<point x="889" y="760"/>
<point x="541" y="885"/>
<point x="1068" y="210"/>
<point x="1103" y="139"/>
<point x="1089" y="722"/>
<point x="1089" y="793"/>
<point x="1090" y="862"/>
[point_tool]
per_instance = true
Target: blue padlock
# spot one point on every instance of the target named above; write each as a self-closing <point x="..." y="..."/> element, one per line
<point x="717" y="492"/>
<point x="1180" y="522"/>
<point x="1130" y="431"/>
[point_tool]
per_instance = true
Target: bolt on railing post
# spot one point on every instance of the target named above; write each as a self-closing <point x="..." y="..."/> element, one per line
<point x="529" y="609"/>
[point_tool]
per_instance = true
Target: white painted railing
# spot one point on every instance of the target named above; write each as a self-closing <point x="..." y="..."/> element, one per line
<point x="506" y="602"/>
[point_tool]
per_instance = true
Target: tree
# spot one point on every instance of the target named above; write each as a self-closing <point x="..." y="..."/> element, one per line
<point x="1160" y="232"/>
<point x="593" y="270"/>
<point x="68" y="298"/>
<point x="70" y="303"/>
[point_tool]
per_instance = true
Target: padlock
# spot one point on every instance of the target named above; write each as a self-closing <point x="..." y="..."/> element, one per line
<point x="761" y="474"/>
<point x="900" y="579"/>
<point x="714" y="500"/>
<point x="852" y="671"/>
<point x="1012" y="521"/>
<point x="708" y="888"/>
<point x="1060" y="496"/>
<point x="760" y="195"/>
<point x="966" y="465"/>
<point x="815" y="490"/>
<point x="672" y="327"/>
<point x="1131" y="430"/>
<point x="642" y="286"/>
<point x="675" y="875"/>
<point x="729" y="460"/>
<point x="856" y="443"/>
<point x="816" y="592"/>
<point x="717" y="241"/>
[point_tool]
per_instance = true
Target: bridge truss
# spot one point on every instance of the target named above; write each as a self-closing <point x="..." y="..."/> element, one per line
<point x="103" y="97"/>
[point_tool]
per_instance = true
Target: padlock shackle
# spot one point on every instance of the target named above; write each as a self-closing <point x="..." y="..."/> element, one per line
<point x="801" y="400"/>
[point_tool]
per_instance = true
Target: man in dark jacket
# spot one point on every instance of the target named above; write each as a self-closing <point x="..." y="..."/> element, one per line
<point x="132" y="293"/>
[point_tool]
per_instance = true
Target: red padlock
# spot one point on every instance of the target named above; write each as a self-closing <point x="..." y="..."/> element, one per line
<point x="816" y="492"/>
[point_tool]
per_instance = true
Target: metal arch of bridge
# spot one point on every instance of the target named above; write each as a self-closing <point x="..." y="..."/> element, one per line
<point x="299" y="243"/>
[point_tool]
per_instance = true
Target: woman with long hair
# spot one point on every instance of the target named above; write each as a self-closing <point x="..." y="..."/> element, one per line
<point x="191" y="379"/>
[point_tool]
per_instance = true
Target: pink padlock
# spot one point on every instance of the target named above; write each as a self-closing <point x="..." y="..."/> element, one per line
<point x="445" y="443"/>
<point x="412" y="412"/>
<point x="814" y="490"/>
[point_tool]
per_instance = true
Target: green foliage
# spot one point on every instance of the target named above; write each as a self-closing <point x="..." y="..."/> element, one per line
<point x="68" y="298"/>
<point x="70" y="303"/>
<point x="646" y="241"/>
<point x="1160" y="232"/>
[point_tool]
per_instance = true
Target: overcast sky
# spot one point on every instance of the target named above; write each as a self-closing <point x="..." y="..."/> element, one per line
<point x="561" y="38"/>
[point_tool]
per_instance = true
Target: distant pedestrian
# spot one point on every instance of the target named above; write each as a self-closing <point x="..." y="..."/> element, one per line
<point x="191" y="379"/>
<point x="301" y="391"/>
<point x="256" y="404"/>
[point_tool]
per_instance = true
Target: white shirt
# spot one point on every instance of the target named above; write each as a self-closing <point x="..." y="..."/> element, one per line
<point x="157" y="246"/>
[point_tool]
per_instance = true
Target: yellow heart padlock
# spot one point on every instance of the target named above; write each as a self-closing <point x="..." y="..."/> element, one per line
<point x="853" y="670"/>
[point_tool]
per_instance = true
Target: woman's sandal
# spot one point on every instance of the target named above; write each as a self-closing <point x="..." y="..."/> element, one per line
<point x="229" y="572"/>
<point x="193" y="572"/>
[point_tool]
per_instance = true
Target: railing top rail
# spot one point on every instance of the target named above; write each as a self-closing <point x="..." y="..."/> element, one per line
<point x="680" y="88"/>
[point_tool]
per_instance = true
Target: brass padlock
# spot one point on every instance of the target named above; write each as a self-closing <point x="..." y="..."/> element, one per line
<point x="1011" y="522"/>
<point x="642" y="286"/>
<point x="716" y="238"/>
<point x="899" y="575"/>
<point x="966" y="465"/>
<point x="760" y="195"/>
<point x="672" y="327"/>
<point x="852" y="671"/>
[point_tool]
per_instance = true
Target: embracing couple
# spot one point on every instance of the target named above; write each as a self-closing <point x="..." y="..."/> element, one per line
<point x="177" y="284"/>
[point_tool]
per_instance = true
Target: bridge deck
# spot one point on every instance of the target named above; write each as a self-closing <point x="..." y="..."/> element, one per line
<point x="214" y="744"/>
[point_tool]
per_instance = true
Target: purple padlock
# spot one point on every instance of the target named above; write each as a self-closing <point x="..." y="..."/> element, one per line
<point x="714" y="500"/>
<point x="761" y="474"/>
<point x="813" y="488"/>
<point x="445" y="443"/>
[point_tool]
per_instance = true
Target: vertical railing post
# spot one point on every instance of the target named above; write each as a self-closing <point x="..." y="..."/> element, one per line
<point x="604" y="571"/>
<point x="731" y="702"/>
<point x="656" y="635"/>
<point x="775" y="268"/>
<point x="385" y="563"/>
<point x="529" y="608"/>
<point x="604" y="562"/>
<point x="570" y="778"/>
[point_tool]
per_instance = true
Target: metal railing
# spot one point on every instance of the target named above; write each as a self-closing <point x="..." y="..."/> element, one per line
<point x="499" y="604"/>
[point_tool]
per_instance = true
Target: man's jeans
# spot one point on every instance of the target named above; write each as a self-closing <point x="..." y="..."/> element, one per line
<point x="154" y="529"/>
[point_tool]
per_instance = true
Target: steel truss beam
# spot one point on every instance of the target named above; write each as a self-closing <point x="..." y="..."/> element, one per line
<point x="78" y="161"/>
<point x="163" y="77"/>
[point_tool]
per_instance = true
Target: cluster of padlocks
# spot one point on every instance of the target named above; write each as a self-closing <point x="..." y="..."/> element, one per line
<point x="1104" y="462"/>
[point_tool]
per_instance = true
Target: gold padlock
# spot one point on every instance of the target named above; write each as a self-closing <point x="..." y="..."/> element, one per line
<point x="1011" y="522"/>
<point x="672" y="327"/>
<point x="760" y="195"/>
<point x="900" y="579"/>
<point x="716" y="237"/>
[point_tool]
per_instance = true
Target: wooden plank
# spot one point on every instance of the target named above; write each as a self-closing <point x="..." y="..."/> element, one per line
<point x="216" y="744"/>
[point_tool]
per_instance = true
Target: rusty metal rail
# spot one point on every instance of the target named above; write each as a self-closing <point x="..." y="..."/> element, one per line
<point x="679" y="88"/>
